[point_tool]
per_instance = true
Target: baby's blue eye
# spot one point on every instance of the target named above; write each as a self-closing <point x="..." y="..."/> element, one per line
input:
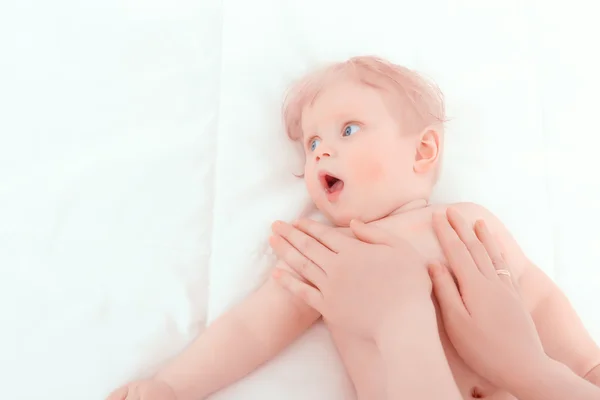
<point x="350" y="130"/>
<point x="314" y="143"/>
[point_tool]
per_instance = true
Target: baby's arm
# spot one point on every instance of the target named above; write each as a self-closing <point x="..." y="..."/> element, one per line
<point x="562" y="333"/>
<point x="238" y="342"/>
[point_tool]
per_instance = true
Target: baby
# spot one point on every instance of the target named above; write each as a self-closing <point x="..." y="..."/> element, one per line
<point x="372" y="133"/>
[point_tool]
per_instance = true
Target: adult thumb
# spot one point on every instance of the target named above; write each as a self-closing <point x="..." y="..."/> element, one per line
<point x="370" y="233"/>
<point x="447" y="294"/>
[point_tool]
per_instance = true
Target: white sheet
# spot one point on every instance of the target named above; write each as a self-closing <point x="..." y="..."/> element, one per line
<point x="143" y="162"/>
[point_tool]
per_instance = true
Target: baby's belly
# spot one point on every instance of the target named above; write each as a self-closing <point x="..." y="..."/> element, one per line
<point x="366" y="371"/>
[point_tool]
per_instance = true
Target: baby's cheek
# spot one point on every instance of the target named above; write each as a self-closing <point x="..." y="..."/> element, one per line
<point x="367" y="169"/>
<point x="314" y="189"/>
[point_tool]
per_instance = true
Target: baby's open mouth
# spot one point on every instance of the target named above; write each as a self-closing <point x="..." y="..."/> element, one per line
<point x="331" y="184"/>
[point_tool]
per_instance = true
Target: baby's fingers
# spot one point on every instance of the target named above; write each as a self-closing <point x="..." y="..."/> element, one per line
<point x="119" y="394"/>
<point x="134" y="394"/>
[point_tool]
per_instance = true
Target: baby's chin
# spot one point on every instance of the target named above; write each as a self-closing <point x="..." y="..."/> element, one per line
<point x="340" y="214"/>
<point x="342" y="222"/>
<point x="342" y="219"/>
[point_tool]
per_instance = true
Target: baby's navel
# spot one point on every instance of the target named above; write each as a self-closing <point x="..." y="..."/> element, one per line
<point x="477" y="393"/>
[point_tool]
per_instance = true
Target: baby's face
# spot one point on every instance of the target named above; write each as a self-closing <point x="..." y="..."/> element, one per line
<point x="359" y="164"/>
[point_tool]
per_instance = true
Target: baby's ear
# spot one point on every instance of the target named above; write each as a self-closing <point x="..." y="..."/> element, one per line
<point x="429" y="146"/>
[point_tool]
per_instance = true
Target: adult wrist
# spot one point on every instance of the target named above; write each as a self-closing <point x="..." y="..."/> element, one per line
<point x="410" y="346"/>
<point x="537" y="378"/>
<point x="415" y="319"/>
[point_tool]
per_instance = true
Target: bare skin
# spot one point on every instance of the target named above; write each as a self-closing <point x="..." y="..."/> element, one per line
<point x="387" y="176"/>
<point x="194" y="372"/>
<point x="374" y="289"/>
<point x="370" y="286"/>
<point x="486" y="321"/>
<point x="363" y="360"/>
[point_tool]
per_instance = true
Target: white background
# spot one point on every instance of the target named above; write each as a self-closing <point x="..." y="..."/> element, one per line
<point x="142" y="161"/>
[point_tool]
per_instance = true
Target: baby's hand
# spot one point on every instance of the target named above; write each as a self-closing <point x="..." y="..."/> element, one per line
<point x="144" y="390"/>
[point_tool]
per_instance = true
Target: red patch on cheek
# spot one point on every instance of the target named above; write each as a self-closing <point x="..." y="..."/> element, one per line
<point x="367" y="169"/>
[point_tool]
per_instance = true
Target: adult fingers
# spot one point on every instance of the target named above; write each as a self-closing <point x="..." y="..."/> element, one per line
<point x="324" y="234"/>
<point x="456" y="253"/>
<point x="469" y="238"/>
<point x="297" y="261"/>
<point x="311" y="296"/>
<point x="501" y="268"/>
<point x="370" y="233"/>
<point x="307" y="245"/>
<point x="447" y="294"/>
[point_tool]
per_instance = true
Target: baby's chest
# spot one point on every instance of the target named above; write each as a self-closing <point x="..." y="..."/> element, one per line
<point x="362" y="358"/>
<point x="420" y="235"/>
<point x="416" y="230"/>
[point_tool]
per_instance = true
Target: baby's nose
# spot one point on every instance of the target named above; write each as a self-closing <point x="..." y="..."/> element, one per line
<point x="323" y="151"/>
<point x="323" y="154"/>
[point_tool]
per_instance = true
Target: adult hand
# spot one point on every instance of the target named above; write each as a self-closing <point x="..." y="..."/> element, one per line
<point x="357" y="283"/>
<point x="482" y="312"/>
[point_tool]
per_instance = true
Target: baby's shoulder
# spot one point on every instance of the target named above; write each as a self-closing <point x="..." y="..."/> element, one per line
<point x="511" y="250"/>
<point x="471" y="212"/>
<point x="421" y="217"/>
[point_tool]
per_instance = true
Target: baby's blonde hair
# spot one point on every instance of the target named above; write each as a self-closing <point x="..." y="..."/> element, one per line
<point x="422" y="102"/>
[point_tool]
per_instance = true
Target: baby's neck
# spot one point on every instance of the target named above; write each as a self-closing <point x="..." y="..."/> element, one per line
<point x="413" y="205"/>
<point x="410" y="206"/>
